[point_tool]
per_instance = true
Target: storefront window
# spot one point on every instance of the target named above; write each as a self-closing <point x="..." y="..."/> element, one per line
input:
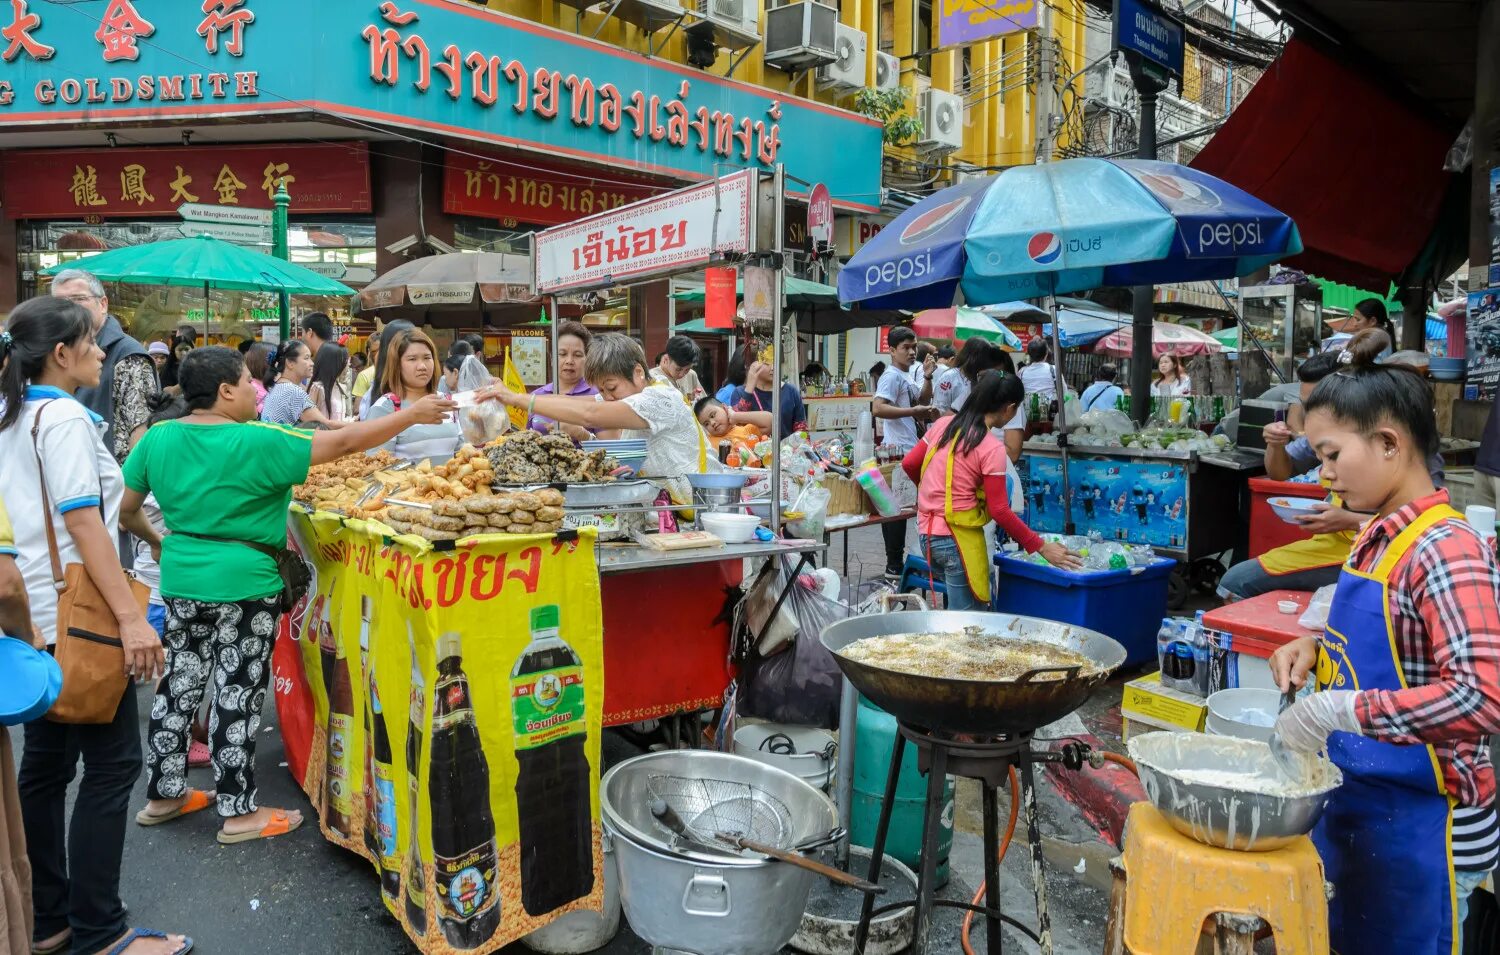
<point x="152" y="312"/>
<point x="474" y="234"/>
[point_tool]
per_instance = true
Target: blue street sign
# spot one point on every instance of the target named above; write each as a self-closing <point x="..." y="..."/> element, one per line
<point x="1143" y="28"/>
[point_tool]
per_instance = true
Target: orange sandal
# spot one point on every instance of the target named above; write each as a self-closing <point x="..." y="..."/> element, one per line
<point x="281" y="823"/>
<point x="196" y="799"/>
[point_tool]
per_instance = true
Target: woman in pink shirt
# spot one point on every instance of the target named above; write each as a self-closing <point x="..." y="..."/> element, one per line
<point x="959" y="470"/>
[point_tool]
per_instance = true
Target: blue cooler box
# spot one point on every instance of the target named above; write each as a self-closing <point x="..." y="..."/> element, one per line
<point x="1128" y="606"/>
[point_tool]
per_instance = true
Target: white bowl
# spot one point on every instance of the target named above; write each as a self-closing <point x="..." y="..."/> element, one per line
<point x="1291" y="508"/>
<point x="730" y="528"/>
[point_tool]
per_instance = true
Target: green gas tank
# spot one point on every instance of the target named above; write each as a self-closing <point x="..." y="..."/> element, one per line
<point x="874" y="742"/>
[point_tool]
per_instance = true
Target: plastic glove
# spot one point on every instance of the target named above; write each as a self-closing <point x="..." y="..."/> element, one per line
<point x="1307" y="723"/>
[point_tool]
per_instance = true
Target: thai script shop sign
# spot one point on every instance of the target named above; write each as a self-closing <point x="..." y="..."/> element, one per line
<point x="434" y="66"/>
<point x="1141" y="28"/>
<point x="673" y="233"/>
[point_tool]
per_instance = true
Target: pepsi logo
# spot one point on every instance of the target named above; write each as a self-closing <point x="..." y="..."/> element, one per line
<point x="1177" y="189"/>
<point x="1044" y="248"/>
<point x="933" y="220"/>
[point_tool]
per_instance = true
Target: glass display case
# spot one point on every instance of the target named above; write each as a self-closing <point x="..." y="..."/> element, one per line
<point x="1280" y="325"/>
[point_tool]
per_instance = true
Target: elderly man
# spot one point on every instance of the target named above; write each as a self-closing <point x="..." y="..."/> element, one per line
<point x="128" y="380"/>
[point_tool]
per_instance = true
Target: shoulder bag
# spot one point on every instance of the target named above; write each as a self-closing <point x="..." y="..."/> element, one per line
<point x="88" y="649"/>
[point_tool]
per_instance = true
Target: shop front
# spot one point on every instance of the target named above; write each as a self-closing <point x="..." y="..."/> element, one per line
<point x="399" y="129"/>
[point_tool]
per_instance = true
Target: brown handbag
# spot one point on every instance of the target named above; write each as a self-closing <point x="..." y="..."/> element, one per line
<point x="88" y="649"/>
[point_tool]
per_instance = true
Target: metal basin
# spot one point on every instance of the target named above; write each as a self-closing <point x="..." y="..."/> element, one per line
<point x="975" y="706"/>
<point x="1258" y="811"/>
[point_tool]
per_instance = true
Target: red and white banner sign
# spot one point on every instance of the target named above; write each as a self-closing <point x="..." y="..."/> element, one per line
<point x="671" y="233"/>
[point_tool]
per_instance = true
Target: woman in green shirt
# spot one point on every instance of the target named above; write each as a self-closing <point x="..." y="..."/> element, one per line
<point x="220" y="473"/>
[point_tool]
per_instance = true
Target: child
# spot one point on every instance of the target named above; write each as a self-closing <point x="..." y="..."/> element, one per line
<point x="725" y="424"/>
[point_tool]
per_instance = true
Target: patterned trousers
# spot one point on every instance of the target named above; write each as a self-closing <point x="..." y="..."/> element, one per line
<point x="233" y="642"/>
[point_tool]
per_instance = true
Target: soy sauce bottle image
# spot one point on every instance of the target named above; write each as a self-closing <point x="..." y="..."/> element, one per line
<point x="416" y="877"/>
<point x="340" y="801"/>
<point x="383" y="786"/>
<point x="372" y="811"/>
<point x="465" y="859"/>
<point x="552" y="785"/>
<point x="327" y="645"/>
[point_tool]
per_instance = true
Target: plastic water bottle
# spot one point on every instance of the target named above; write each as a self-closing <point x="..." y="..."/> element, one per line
<point x="864" y="439"/>
<point x="1202" y="650"/>
<point x="1181" y="669"/>
<point x="1164" y="636"/>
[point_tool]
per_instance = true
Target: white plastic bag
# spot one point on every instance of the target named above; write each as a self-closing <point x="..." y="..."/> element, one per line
<point x="812" y="504"/>
<point x="487" y="420"/>
<point x="1315" y="617"/>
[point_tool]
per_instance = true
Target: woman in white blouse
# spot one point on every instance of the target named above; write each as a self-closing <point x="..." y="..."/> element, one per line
<point x="411" y="373"/>
<point x="1172" y="380"/>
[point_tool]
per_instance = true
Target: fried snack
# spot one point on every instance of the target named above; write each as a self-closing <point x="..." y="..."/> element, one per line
<point x="547" y="527"/>
<point x="545" y="514"/>
<point x="550" y="497"/>
<point x="441" y="523"/>
<point x="501" y="521"/>
<point x="519" y="516"/>
<point x="505" y="504"/>
<point x="526" y="501"/>
<point x="520" y="529"/>
<point x="342" y="480"/>
<point x="531" y="458"/>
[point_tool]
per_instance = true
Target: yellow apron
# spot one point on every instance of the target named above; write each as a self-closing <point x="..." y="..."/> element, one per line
<point x="1320" y="550"/>
<point x="967" y="528"/>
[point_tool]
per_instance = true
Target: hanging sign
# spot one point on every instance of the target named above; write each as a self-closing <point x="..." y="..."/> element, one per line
<point x="531" y="193"/>
<point x="973" y="21"/>
<point x="820" y="216"/>
<point x="760" y="294"/>
<point x="719" y="297"/>
<point x="1146" y="30"/>
<point x="674" y="232"/>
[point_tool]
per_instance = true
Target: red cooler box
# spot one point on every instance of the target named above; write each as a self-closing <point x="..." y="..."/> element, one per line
<point x="1249" y="631"/>
<point x="1267" y="531"/>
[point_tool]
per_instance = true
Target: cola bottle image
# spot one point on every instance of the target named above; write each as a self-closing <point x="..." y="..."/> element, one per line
<point x="372" y="811"/>
<point x="464" y="856"/>
<point x="340" y="802"/>
<point x="552" y="784"/>
<point x="416" y="877"/>
<point x="327" y="646"/>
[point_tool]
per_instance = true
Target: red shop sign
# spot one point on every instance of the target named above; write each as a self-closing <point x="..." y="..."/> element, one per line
<point x="139" y="183"/>
<point x="531" y="193"/>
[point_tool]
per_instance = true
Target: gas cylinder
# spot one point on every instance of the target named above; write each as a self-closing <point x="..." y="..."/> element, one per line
<point x="875" y="740"/>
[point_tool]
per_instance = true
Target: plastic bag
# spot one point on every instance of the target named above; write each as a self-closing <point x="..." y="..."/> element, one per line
<point x="487" y="420"/>
<point x="1315" y="617"/>
<point x="812" y="504"/>
<point x="801" y="684"/>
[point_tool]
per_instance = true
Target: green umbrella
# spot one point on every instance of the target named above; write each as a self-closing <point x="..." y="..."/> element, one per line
<point x="700" y="327"/>
<point x="206" y="262"/>
<point x="796" y="293"/>
<point x="1229" y="338"/>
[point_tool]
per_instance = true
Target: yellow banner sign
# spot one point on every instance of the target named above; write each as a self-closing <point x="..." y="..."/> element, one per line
<point x="456" y="702"/>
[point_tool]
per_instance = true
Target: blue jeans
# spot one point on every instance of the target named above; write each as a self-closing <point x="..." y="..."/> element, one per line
<point x="1249" y="579"/>
<point x="1467" y="882"/>
<point x="942" y="552"/>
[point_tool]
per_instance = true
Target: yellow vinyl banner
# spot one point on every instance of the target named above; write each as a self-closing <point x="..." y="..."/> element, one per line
<point x="457" y="698"/>
<point x="512" y="379"/>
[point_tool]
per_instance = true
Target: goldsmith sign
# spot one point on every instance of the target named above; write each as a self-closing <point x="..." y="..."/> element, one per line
<point x="433" y="65"/>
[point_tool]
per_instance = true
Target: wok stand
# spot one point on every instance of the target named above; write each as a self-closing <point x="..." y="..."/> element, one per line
<point x="988" y="761"/>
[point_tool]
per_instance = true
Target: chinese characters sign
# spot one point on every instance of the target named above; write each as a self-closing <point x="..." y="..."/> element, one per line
<point x="62" y="184"/>
<point x="431" y="66"/>
<point x="673" y="232"/>
<point x="537" y="195"/>
<point x="973" y="21"/>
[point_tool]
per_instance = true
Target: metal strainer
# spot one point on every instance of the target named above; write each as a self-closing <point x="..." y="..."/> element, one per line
<point x="711" y="806"/>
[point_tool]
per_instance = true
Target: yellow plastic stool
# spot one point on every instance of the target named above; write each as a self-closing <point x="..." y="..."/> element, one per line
<point x="1167" y="885"/>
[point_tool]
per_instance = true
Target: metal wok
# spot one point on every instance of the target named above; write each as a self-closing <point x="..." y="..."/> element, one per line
<point x="1033" y="699"/>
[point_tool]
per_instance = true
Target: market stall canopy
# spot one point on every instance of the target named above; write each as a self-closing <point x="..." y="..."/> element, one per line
<point x="1081" y="322"/>
<point x="1064" y="227"/>
<point x="1166" y="339"/>
<point x="1366" y="214"/>
<point x="961" y="323"/>
<point x="204" y="262"/>
<point x="1018" y="312"/>
<point x="472" y="282"/>
<point x="797" y="294"/>
<point x="815" y="307"/>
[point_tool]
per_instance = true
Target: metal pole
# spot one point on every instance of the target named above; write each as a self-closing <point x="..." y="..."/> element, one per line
<point x="1063" y="424"/>
<point x="556" y="321"/>
<point x="778" y="191"/>
<point x="1046" y="91"/>
<point x="844" y="780"/>
<point x="282" y="202"/>
<point x="1143" y="309"/>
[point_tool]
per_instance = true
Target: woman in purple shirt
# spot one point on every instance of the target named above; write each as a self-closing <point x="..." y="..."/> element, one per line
<point x="572" y="346"/>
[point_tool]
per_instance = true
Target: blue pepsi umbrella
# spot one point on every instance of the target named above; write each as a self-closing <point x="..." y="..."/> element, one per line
<point x="1067" y="226"/>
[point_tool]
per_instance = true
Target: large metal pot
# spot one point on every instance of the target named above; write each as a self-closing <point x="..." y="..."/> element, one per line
<point x="697" y="900"/>
<point x="1031" y="700"/>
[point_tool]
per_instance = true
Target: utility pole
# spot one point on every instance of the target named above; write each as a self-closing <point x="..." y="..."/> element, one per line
<point x="1046" y="84"/>
<point x="282" y="202"/>
<point x="1143" y="297"/>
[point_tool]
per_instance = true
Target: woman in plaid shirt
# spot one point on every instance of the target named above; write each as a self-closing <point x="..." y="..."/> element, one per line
<point x="1408" y="673"/>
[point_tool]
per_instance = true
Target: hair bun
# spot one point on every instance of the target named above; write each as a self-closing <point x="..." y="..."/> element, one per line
<point x="1364" y="349"/>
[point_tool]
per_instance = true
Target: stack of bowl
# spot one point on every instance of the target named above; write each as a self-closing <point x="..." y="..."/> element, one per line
<point x="628" y="452"/>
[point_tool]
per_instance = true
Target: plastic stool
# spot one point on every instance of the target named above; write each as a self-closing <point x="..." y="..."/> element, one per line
<point x="916" y="574"/>
<point x="1281" y="893"/>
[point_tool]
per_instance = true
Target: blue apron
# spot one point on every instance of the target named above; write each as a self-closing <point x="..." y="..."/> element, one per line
<point x="1386" y="837"/>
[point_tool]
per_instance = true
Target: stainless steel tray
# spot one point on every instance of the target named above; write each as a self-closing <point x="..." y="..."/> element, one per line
<point x="609" y="494"/>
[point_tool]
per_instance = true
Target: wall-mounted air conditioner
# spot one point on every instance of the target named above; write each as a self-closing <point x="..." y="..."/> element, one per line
<point x="800" y="36"/>
<point x="662" y="13"/>
<point x="739" y="17"/>
<point x="848" y="71"/>
<point x="942" y="116"/>
<point x="887" y="71"/>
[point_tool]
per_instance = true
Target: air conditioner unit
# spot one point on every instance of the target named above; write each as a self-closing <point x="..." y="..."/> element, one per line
<point x="661" y="13"/>
<point x="887" y="71"/>
<point x="800" y="36"/>
<point x="942" y="116"/>
<point x="963" y="172"/>
<point x="739" y="17"/>
<point x="848" y="71"/>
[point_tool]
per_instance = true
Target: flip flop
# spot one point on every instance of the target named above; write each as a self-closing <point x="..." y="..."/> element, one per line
<point x="198" y="755"/>
<point x="135" y="933"/>
<point x="196" y="799"/>
<point x="281" y="823"/>
<point x="61" y="945"/>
